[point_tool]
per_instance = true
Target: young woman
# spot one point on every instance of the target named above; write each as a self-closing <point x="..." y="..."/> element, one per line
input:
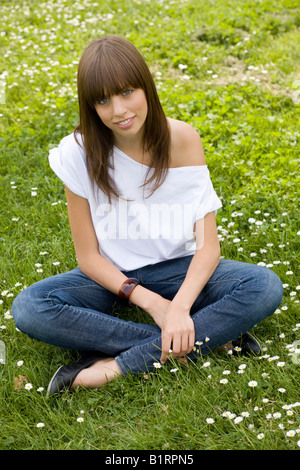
<point x="142" y="215"/>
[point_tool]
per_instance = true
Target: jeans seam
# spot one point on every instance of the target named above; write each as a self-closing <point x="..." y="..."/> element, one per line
<point x="108" y="317"/>
<point x="120" y="360"/>
<point x="225" y="280"/>
<point x="139" y="346"/>
<point x="67" y="289"/>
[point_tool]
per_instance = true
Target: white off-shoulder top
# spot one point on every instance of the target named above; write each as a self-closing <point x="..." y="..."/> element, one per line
<point x="139" y="228"/>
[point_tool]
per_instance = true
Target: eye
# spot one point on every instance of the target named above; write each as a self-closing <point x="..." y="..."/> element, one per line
<point x="127" y="92"/>
<point x="102" y="101"/>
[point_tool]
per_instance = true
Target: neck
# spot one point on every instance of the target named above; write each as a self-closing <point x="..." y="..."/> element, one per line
<point x="131" y="145"/>
<point x="135" y="151"/>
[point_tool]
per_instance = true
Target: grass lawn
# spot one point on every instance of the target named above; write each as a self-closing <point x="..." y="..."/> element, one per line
<point x="231" y="69"/>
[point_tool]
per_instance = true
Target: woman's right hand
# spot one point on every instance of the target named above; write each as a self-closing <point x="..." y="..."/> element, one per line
<point x="177" y="328"/>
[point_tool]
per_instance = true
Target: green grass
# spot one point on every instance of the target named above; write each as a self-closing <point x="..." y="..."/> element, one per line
<point x="240" y="89"/>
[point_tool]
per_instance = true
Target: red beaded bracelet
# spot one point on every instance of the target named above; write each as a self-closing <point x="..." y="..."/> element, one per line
<point x="126" y="289"/>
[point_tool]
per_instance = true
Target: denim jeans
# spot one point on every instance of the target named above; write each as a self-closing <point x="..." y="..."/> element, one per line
<point x="72" y="311"/>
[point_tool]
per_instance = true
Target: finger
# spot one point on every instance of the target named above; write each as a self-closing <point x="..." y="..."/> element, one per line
<point x="191" y="341"/>
<point x="177" y="348"/>
<point x="180" y="345"/>
<point x="166" y="348"/>
<point x="184" y="345"/>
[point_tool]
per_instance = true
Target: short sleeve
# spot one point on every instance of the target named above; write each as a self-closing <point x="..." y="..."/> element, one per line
<point x="69" y="163"/>
<point x="206" y="198"/>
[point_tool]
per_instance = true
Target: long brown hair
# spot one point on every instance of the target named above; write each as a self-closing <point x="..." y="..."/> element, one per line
<point x="108" y="66"/>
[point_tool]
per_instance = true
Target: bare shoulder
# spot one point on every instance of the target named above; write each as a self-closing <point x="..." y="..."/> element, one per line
<point x="186" y="145"/>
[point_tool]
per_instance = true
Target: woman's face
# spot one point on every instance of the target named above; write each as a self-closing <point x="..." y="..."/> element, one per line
<point x="124" y="114"/>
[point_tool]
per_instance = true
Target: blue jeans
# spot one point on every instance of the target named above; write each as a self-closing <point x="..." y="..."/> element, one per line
<point x="71" y="311"/>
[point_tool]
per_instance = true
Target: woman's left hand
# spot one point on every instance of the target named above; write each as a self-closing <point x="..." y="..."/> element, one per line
<point x="178" y="334"/>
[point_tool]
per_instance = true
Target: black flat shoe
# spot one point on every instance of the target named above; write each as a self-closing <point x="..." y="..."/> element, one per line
<point x="65" y="375"/>
<point x="248" y="345"/>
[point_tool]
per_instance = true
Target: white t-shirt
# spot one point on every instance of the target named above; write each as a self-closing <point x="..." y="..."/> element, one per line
<point x="136" y="230"/>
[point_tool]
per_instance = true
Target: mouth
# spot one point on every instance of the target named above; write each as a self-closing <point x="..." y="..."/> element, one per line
<point x="126" y="123"/>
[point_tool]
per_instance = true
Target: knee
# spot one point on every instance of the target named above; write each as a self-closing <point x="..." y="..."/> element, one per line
<point x="270" y="289"/>
<point x="23" y="310"/>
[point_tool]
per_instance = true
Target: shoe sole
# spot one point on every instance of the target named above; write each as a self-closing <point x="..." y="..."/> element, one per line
<point x="51" y="382"/>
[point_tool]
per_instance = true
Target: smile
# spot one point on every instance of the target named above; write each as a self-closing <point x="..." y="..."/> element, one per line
<point x="125" y="123"/>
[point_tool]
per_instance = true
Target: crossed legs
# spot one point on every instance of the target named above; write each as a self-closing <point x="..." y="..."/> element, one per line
<point x="72" y="311"/>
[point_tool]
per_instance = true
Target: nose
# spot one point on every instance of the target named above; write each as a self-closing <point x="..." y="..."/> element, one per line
<point x="118" y="106"/>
